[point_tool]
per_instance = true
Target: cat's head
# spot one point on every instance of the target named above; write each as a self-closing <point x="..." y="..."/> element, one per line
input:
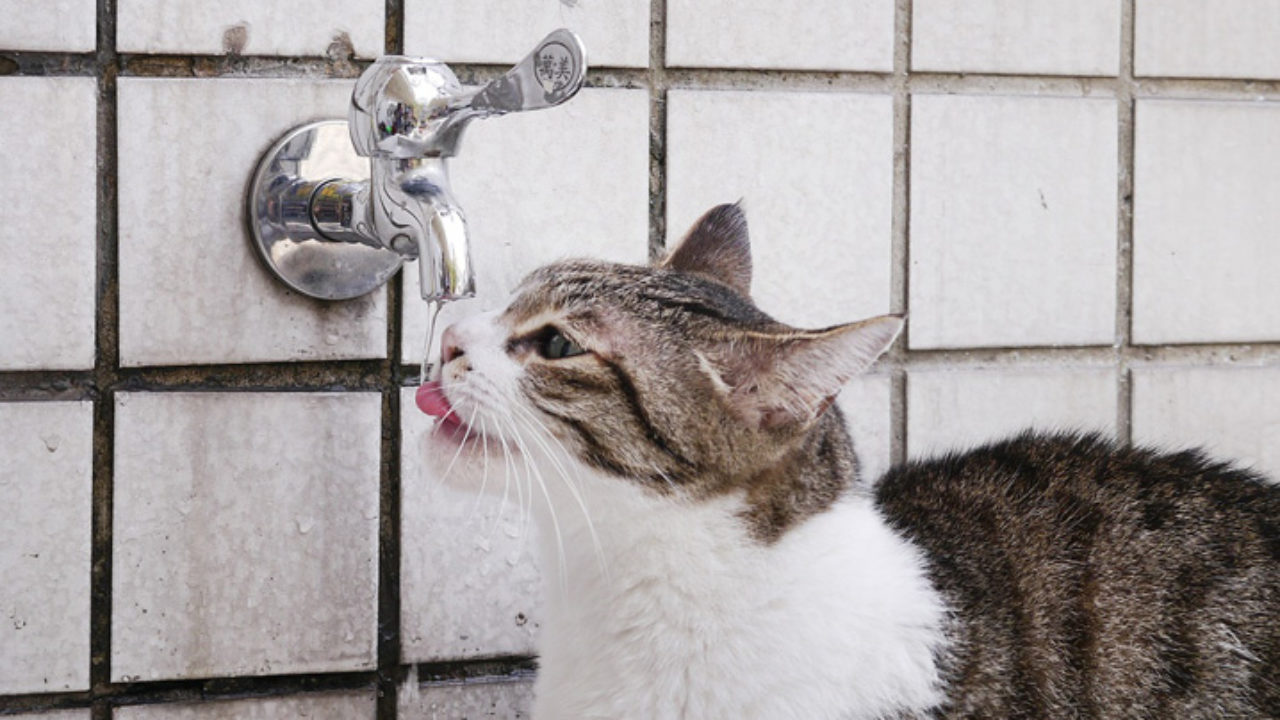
<point x="667" y="375"/>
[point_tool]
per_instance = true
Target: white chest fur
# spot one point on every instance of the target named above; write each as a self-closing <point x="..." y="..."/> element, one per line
<point x="692" y="619"/>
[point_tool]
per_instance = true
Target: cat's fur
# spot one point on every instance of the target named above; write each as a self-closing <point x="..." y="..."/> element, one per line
<point x="710" y="551"/>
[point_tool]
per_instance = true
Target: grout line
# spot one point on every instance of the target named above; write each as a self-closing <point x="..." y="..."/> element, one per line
<point x="900" y="252"/>
<point x="378" y="375"/>
<point x="339" y="65"/>
<point x="106" y="363"/>
<point x="35" y="385"/>
<point x="452" y="671"/>
<point x="331" y="375"/>
<point x="1124" y="228"/>
<point x="657" y="82"/>
<point x="393" y="27"/>
<point x="390" y="672"/>
<point x="194" y="690"/>
<point x="48" y="63"/>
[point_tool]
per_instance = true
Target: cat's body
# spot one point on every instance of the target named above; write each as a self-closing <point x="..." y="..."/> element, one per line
<point x="710" y="551"/>
<point x="1090" y="581"/>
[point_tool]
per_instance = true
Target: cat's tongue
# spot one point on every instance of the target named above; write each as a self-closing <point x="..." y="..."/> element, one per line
<point x="431" y="400"/>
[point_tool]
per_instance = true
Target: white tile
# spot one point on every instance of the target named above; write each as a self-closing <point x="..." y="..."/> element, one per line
<point x="815" y="174"/>
<point x="572" y="181"/>
<point x="250" y="27"/>
<point x="959" y="409"/>
<point x="615" y="33"/>
<point x="1207" y="38"/>
<point x="1230" y="412"/>
<point x="867" y="406"/>
<point x="1013" y="221"/>
<point x="469" y="581"/>
<point x="245" y="534"/>
<point x="1041" y="37"/>
<point x="48" y="25"/>
<point x="1206" y="179"/>
<point x="192" y="287"/>
<point x="799" y="34"/>
<point x="80" y="714"/>
<point x="48" y="237"/>
<point x="319" y="706"/>
<point x="46" y="472"/>
<point x="504" y="699"/>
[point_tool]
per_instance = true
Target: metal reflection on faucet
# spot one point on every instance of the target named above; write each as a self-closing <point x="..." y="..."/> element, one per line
<point x="332" y="233"/>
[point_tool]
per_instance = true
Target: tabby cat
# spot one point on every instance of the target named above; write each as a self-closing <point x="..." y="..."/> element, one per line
<point x="711" y="551"/>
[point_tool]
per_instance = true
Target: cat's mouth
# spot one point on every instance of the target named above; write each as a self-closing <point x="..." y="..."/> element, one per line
<point x="432" y="401"/>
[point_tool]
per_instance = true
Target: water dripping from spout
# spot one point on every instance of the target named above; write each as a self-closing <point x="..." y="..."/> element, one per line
<point x="433" y="313"/>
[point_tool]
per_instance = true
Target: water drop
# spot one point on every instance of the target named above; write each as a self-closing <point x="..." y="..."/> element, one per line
<point x="51" y="441"/>
<point x="331" y="338"/>
<point x="305" y="524"/>
<point x="433" y="311"/>
<point x="513" y="559"/>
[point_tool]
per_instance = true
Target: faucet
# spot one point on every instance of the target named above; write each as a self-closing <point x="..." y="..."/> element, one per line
<point x="332" y="226"/>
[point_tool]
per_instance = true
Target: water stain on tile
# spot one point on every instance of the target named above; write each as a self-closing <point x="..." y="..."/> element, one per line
<point x="235" y="38"/>
<point x="341" y="47"/>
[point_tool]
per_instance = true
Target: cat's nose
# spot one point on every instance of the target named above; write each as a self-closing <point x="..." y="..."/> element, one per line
<point x="450" y="345"/>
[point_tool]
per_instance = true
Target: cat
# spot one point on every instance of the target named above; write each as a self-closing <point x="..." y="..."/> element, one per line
<point x="710" y="550"/>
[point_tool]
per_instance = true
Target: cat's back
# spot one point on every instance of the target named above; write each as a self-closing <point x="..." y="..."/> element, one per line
<point x="1089" y="580"/>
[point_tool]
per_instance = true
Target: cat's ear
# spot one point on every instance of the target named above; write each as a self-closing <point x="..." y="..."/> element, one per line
<point x="717" y="246"/>
<point x="776" y="380"/>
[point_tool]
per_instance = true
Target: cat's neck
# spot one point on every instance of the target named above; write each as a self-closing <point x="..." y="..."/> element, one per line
<point x="820" y="470"/>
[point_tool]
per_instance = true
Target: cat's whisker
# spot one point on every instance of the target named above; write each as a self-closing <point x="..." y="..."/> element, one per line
<point x="523" y="506"/>
<point x="506" y="479"/>
<point x="533" y="423"/>
<point x="513" y="475"/>
<point x="536" y="474"/>
<point x="462" y="443"/>
<point x="665" y="477"/>
<point x="484" y="475"/>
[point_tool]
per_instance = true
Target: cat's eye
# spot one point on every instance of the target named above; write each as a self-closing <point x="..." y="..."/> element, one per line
<point x="555" y="346"/>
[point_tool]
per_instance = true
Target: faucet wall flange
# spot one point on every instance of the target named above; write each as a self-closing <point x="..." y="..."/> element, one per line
<point x="289" y="207"/>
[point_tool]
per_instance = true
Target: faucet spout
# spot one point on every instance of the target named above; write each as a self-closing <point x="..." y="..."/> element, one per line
<point x="412" y="205"/>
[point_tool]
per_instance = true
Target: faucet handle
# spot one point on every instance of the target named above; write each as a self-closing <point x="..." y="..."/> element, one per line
<point x="546" y="77"/>
<point x="408" y="107"/>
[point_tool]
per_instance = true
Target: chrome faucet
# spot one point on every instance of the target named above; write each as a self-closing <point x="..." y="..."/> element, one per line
<point x="334" y="227"/>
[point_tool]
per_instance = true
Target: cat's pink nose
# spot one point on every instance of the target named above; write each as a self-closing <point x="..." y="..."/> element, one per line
<point x="450" y="345"/>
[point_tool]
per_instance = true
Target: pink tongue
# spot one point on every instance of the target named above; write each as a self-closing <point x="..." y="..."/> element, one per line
<point x="431" y="400"/>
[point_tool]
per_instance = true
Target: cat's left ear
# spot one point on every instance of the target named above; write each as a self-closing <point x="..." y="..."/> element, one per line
<point x="717" y="246"/>
<point x="773" y="381"/>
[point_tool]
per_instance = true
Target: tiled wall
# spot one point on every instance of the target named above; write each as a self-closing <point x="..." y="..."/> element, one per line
<point x="215" y="507"/>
